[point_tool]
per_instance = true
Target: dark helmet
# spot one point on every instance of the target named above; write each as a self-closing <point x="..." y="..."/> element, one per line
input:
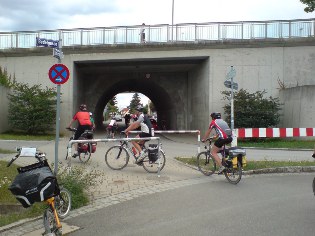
<point x="215" y="115"/>
<point x="139" y="108"/>
<point x="83" y="107"/>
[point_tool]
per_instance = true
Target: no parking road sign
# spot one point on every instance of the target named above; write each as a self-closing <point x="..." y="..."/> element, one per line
<point x="58" y="74"/>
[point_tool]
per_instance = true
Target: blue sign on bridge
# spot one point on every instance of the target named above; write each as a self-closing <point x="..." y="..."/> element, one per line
<point x="41" y="42"/>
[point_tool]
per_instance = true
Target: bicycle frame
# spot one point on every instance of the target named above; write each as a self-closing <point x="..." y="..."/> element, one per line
<point x="129" y="147"/>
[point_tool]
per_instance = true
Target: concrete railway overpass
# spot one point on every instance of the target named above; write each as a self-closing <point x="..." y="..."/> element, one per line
<point x="183" y="79"/>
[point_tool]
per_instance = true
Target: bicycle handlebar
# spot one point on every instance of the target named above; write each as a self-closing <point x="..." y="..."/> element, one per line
<point x="209" y="139"/>
<point x="71" y="129"/>
<point x="12" y="160"/>
<point x="40" y="156"/>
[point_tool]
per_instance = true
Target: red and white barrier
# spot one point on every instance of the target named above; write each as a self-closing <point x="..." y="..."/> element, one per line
<point x="274" y="132"/>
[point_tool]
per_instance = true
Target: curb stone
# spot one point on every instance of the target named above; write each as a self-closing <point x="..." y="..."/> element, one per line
<point x="286" y="169"/>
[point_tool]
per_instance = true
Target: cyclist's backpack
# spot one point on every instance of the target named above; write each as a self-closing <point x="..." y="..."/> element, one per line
<point x="153" y="152"/>
<point x="34" y="183"/>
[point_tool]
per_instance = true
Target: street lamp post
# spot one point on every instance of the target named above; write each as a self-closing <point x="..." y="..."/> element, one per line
<point x="172" y="19"/>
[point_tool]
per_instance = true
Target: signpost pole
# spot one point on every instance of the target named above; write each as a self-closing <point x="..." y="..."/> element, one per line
<point x="57" y="119"/>
<point x="232" y="102"/>
<point x="229" y="83"/>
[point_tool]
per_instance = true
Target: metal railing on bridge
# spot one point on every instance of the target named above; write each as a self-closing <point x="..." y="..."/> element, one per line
<point x="189" y="32"/>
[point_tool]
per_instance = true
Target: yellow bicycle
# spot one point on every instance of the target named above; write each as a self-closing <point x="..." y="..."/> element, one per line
<point x="37" y="183"/>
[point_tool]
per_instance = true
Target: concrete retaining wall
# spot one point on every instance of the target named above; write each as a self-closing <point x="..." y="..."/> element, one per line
<point x="298" y="106"/>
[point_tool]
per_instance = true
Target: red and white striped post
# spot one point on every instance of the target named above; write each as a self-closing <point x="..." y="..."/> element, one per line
<point x="274" y="132"/>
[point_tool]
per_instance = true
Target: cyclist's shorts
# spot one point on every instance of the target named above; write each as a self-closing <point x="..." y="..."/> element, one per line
<point x="221" y="141"/>
<point x="144" y="135"/>
<point x="80" y="130"/>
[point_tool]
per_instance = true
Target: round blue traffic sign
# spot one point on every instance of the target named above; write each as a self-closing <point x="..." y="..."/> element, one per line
<point x="59" y="74"/>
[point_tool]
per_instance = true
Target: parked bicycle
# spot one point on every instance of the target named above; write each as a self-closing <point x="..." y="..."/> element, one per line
<point x="84" y="149"/>
<point x="117" y="157"/>
<point x="37" y="183"/>
<point x="234" y="159"/>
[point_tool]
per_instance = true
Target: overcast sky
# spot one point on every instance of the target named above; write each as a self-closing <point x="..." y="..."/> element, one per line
<point x="24" y="15"/>
<point x="31" y="15"/>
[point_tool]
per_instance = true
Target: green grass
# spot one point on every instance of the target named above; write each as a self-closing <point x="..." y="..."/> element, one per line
<point x="276" y="143"/>
<point x="256" y="165"/>
<point x="23" y="136"/>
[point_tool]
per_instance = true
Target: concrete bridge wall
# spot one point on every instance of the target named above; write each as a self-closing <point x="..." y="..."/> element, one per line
<point x="185" y="81"/>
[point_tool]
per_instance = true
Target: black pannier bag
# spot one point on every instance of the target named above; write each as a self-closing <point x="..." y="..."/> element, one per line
<point x="88" y="134"/>
<point x="34" y="183"/>
<point x="153" y="152"/>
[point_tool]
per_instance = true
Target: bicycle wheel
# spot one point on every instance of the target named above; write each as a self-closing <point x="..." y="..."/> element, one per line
<point x="85" y="156"/>
<point x="233" y="175"/>
<point x="153" y="167"/>
<point x="117" y="157"/>
<point x="63" y="203"/>
<point x="206" y="163"/>
<point x="50" y="223"/>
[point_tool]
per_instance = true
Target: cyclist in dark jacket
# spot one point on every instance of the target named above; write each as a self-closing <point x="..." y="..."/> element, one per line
<point x="224" y="135"/>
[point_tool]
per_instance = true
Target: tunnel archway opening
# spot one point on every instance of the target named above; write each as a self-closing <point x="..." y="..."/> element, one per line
<point x="157" y="95"/>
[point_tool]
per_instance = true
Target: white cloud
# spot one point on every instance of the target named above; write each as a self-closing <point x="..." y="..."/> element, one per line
<point x="35" y="15"/>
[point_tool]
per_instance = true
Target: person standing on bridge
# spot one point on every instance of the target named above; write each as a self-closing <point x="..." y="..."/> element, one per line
<point x="224" y="135"/>
<point x="142" y="33"/>
<point x="144" y="122"/>
<point x="84" y="123"/>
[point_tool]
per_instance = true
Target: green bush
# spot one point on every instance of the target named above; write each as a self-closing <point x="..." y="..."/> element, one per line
<point x="252" y="110"/>
<point x="32" y="109"/>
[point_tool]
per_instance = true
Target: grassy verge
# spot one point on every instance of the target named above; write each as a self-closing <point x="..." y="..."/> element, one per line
<point x="256" y="165"/>
<point x="276" y="143"/>
<point x="23" y="136"/>
<point x="77" y="182"/>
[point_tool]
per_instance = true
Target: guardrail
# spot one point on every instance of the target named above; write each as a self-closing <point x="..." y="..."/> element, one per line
<point x="165" y="33"/>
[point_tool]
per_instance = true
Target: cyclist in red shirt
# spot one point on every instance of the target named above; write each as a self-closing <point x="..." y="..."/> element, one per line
<point x="84" y="123"/>
<point x="224" y="134"/>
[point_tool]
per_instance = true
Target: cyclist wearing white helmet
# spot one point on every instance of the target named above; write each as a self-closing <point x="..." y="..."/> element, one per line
<point x="144" y="122"/>
<point x="224" y="135"/>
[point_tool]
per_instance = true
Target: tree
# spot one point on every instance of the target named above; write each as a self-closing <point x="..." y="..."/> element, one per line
<point x="135" y="101"/>
<point x="5" y="79"/>
<point x="111" y="107"/>
<point x="32" y="109"/>
<point x="252" y="110"/>
<point x="310" y="5"/>
<point x="152" y="107"/>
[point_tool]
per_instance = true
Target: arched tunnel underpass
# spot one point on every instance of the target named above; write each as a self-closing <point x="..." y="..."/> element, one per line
<point x="158" y="96"/>
<point x="172" y="85"/>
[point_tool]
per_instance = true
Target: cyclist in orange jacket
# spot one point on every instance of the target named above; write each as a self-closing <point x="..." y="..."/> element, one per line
<point x="84" y="123"/>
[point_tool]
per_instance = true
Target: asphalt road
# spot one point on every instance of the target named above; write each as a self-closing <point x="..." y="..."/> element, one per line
<point x="258" y="205"/>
